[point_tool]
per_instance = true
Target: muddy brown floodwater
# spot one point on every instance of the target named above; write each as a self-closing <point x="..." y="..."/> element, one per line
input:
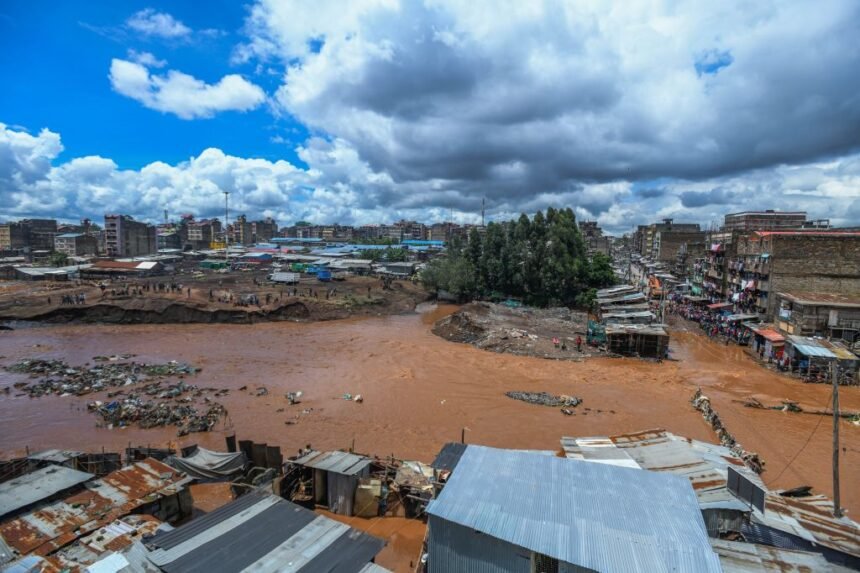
<point x="420" y="391"/>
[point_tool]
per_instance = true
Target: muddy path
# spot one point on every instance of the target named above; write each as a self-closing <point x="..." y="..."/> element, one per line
<point x="420" y="391"/>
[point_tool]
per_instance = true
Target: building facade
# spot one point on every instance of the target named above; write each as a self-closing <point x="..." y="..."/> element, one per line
<point x="768" y="220"/>
<point x="76" y="244"/>
<point x="767" y="262"/>
<point x="125" y="237"/>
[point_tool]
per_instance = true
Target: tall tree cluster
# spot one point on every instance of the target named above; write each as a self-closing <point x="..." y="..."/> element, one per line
<point x="541" y="260"/>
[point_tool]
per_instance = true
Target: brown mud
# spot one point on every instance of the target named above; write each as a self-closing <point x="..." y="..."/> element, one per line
<point x="522" y="331"/>
<point x="420" y="391"/>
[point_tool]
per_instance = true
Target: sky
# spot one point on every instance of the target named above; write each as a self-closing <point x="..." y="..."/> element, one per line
<point x="374" y="110"/>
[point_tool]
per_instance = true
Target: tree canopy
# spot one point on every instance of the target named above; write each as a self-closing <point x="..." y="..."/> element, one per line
<point x="542" y="260"/>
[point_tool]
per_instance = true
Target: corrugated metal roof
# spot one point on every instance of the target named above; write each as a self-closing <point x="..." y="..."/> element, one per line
<point x="809" y="346"/>
<point x="38" y="485"/>
<point x="55" y="456"/>
<point x="55" y="525"/>
<point x="704" y="465"/>
<point x="263" y="533"/>
<point x="770" y="334"/>
<point x="345" y="463"/>
<point x="737" y="557"/>
<point x="592" y="515"/>
<point x="373" y="568"/>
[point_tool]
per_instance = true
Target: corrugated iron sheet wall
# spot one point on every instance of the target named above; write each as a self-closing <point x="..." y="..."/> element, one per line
<point x="456" y="549"/>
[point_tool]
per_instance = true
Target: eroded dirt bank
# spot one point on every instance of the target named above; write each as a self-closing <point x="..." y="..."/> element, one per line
<point x="522" y="331"/>
<point x="420" y="391"/>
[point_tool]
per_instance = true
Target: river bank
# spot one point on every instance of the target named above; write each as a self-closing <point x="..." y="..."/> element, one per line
<point x="421" y="391"/>
<point x="188" y="299"/>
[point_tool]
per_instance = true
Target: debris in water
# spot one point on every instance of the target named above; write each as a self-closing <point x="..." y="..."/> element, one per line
<point x="57" y="377"/>
<point x="545" y="399"/>
<point x="294" y="397"/>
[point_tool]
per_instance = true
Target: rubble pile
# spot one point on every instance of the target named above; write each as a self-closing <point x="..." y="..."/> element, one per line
<point x="148" y="399"/>
<point x="151" y="414"/>
<point x="546" y="399"/>
<point x="703" y="404"/>
<point x="57" y="377"/>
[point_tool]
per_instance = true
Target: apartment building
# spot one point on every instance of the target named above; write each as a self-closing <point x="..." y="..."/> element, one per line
<point x="125" y="237"/>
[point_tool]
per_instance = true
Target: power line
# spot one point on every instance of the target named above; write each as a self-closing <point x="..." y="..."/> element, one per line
<point x="809" y="439"/>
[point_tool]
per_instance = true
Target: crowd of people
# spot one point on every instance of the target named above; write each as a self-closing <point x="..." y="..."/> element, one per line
<point x="715" y="324"/>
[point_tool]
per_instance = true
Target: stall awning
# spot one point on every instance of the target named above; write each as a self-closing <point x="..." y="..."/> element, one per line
<point x="719" y="305"/>
<point x="770" y="334"/>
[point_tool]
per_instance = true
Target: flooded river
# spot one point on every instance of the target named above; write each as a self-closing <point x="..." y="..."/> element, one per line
<point x="421" y="391"/>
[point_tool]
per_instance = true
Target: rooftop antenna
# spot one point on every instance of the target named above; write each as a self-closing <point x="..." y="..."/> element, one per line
<point x="165" y="216"/>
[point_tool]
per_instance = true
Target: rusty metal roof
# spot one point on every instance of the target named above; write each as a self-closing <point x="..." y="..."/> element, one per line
<point x="706" y="466"/>
<point x="738" y="557"/>
<point x="115" y="537"/>
<point x="55" y="525"/>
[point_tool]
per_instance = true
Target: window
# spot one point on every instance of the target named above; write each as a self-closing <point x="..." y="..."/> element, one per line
<point x="544" y="564"/>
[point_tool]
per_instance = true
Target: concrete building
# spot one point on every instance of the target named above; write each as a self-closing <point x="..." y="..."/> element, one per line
<point x="125" y="237"/>
<point x="264" y="230"/>
<point x="201" y="234"/>
<point x="819" y="314"/>
<point x="767" y="262"/>
<point x="13" y="236"/>
<point x="768" y="220"/>
<point x="35" y="234"/>
<point x="76" y="244"/>
<point x="651" y="238"/>
<point x="595" y="240"/>
<point x="666" y="243"/>
<point x="524" y="512"/>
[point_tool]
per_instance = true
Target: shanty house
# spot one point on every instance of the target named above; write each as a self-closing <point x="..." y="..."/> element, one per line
<point x="509" y="511"/>
<point x="263" y="533"/>
<point x="146" y="487"/>
<point x="44" y="484"/>
<point x="335" y="477"/>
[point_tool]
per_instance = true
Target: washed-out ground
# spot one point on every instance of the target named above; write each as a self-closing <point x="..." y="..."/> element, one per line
<point x="421" y="391"/>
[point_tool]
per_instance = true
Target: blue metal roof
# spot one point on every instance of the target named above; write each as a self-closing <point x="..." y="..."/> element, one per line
<point x="602" y="517"/>
<point x="810" y="347"/>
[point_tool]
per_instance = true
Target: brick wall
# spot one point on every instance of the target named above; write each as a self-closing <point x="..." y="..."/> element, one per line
<point x="827" y="264"/>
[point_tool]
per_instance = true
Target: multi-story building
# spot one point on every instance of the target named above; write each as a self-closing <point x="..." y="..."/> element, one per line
<point x="411" y="230"/>
<point x="41" y="233"/>
<point x="767" y="262"/>
<point x="125" y="237"/>
<point x="805" y="313"/>
<point x="13" y="236"/>
<point x="36" y="234"/>
<point x="650" y="238"/>
<point x="595" y="240"/>
<point x="76" y="244"/>
<point x="264" y="230"/>
<point x="768" y="220"/>
<point x="667" y="243"/>
<point x="201" y="234"/>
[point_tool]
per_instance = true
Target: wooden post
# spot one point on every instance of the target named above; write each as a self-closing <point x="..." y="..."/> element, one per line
<point x="463" y="436"/>
<point x="837" y="511"/>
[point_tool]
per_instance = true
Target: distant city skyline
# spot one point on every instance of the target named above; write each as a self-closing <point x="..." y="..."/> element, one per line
<point x="376" y="111"/>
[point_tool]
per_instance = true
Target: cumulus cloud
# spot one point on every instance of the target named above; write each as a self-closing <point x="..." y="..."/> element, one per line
<point x="182" y="94"/>
<point x="145" y="59"/>
<point x="518" y="101"/>
<point x="339" y="186"/>
<point x="149" y="22"/>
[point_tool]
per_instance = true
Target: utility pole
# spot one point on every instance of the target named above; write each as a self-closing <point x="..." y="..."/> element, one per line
<point x="226" y="222"/>
<point x="837" y="510"/>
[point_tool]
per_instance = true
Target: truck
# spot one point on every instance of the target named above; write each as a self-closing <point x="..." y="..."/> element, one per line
<point x="285" y="278"/>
